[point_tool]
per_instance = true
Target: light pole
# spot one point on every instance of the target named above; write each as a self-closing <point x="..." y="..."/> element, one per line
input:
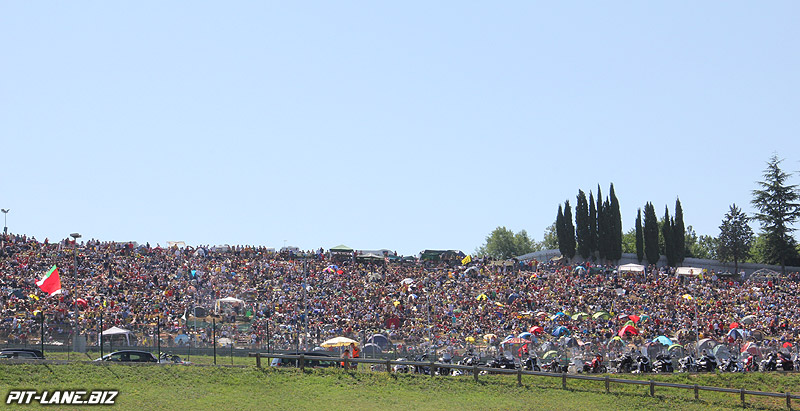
<point x="5" y="221"/>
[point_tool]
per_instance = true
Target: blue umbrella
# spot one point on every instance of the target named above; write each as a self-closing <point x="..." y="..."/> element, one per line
<point x="559" y="331"/>
<point x="663" y="340"/>
<point x="525" y="335"/>
<point x="181" y="339"/>
<point x="737" y="333"/>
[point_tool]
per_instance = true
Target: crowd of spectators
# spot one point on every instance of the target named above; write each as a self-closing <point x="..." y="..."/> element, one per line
<point x="417" y="304"/>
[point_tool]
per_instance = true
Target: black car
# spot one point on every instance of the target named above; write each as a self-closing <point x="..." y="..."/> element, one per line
<point x="317" y="359"/>
<point x="21" y="354"/>
<point x="129" y="356"/>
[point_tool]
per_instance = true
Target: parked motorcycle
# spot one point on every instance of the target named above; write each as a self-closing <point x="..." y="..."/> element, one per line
<point x="687" y="364"/>
<point x="663" y="364"/>
<point x="531" y="363"/>
<point x="729" y="365"/>
<point x="624" y="363"/>
<point x="643" y="364"/>
<point x="769" y="363"/>
<point x="707" y="363"/>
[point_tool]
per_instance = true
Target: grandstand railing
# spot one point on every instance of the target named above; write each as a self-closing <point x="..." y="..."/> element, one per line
<point x="476" y="372"/>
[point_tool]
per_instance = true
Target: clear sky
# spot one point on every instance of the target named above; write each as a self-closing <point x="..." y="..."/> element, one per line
<point x="401" y="125"/>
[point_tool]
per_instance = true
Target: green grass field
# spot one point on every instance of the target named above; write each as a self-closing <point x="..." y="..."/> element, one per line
<point x="248" y="387"/>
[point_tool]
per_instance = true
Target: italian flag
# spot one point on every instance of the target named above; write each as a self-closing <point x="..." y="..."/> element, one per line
<point x="50" y="283"/>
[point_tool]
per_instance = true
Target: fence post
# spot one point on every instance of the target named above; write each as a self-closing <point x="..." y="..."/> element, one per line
<point x="519" y="377"/>
<point x="475" y="371"/>
<point x="696" y="392"/>
<point x="389" y="366"/>
<point x="346" y="363"/>
<point x="608" y="389"/>
<point x="741" y="394"/>
<point x="652" y="388"/>
<point x="432" y="369"/>
<point x="302" y="362"/>
<point x="564" y="380"/>
<point x="258" y="360"/>
<point x="788" y="401"/>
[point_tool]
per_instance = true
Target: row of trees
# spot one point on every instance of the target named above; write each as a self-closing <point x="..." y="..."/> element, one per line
<point x="597" y="232"/>
<point x="666" y="237"/>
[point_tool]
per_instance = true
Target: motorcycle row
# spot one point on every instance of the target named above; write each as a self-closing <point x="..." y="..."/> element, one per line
<point x="626" y="363"/>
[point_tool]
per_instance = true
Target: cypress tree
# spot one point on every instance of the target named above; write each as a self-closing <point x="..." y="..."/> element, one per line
<point x="569" y="231"/>
<point x="650" y="234"/>
<point x="615" y="227"/>
<point x="679" y="233"/>
<point x="669" y="242"/>
<point x="562" y="246"/>
<point x="592" y="226"/>
<point x="582" y="228"/>
<point x="639" y="236"/>
<point x="601" y="236"/>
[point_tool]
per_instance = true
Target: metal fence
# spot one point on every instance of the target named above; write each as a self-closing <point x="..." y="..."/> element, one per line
<point x="476" y="372"/>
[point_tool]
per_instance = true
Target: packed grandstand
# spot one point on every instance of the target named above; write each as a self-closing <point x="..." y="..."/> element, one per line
<point x="289" y="299"/>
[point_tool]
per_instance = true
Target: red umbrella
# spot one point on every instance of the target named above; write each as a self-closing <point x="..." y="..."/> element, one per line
<point x="734" y="325"/>
<point x="516" y="341"/>
<point x="628" y="329"/>
<point x="81" y="302"/>
<point x="787" y="345"/>
<point x="634" y="318"/>
<point x="536" y="330"/>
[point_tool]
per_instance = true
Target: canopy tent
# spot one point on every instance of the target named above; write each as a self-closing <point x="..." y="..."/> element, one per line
<point x="688" y="271"/>
<point x="338" y="342"/>
<point x="341" y="249"/>
<point x="764" y="274"/>
<point x="630" y="268"/>
<point x="230" y="300"/>
<point x="118" y="331"/>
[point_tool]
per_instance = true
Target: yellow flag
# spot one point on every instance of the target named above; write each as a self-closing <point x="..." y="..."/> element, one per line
<point x="466" y="260"/>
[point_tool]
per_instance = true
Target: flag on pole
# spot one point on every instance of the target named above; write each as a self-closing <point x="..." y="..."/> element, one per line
<point x="466" y="260"/>
<point x="50" y="283"/>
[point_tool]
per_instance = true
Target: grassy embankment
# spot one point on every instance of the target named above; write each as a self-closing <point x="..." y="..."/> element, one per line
<point x="185" y="387"/>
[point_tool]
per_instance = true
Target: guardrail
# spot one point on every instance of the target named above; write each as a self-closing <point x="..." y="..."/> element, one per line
<point x="476" y="370"/>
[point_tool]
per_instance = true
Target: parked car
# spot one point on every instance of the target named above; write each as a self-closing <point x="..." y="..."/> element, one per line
<point x="316" y="359"/>
<point x="129" y="356"/>
<point x="21" y="354"/>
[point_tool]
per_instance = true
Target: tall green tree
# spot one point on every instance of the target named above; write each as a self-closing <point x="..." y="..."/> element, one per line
<point x="639" y="236"/>
<point x="614" y="227"/>
<point x="569" y="232"/>
<point x="735" y="237"/>
<point x="560" y="231"/>
<point x="592" y="226"/>
<point x="651" y="234"/>
<point x="778" y="208"/>
<point x="582" y="226"/>
<point x="669" y="243"/>
<point x="601" y="227"/>
<point x="502" y="243"/>
<point x="679" y="233"/>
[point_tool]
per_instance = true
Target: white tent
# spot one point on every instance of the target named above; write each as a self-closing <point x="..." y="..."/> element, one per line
<point x="630" y="268"/>
<point x="231" y="300"/>
<point x="118" y="331"/>
<point x="688" y="271"/>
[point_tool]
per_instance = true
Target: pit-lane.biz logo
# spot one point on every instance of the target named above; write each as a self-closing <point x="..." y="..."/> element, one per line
<point x="71" y="397"/>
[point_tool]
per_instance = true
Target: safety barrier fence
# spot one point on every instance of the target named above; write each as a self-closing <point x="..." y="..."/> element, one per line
<point x="475" y="370"/>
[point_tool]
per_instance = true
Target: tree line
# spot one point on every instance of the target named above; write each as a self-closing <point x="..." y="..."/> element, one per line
<point x="595" y="230"/>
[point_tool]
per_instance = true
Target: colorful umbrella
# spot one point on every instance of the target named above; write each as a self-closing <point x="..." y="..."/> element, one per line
<point x="550" y="354"/>
<point x="580" y="316"/>
<point x="525" y="335"/>
<point x="559" y="331"/>
<point x="601" y="314"/>
<point x="628" y="329"/>
<point x="734" y="325"/>
<point x="516" y="341"/>
<point x="634" y="318"/>
<point x="663" y="340"/>
<point x="536" y="329"/>
<point x="750" y="319"/>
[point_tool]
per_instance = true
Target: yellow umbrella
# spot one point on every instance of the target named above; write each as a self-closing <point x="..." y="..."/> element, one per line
<point x="338" y="342"/>
<point x="470" y="339"/>
<point x="482" y="297"/>
<point x="488" y="337"/>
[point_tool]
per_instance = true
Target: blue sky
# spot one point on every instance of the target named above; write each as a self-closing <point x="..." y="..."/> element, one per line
<point x="405" y="125"/>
